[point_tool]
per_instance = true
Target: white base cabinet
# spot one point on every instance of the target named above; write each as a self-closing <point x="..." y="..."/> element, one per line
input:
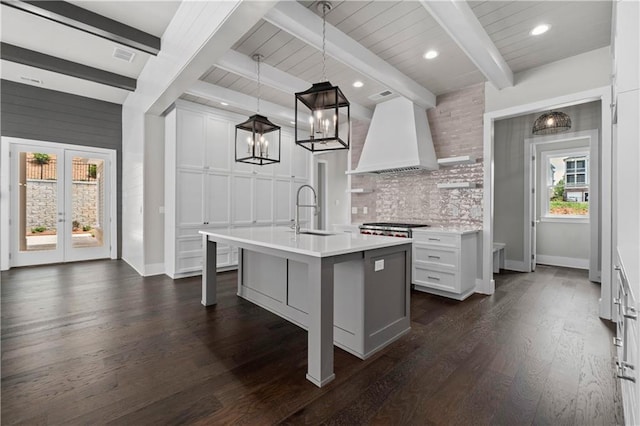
<point x="206" y="189"/>
<point x="445" y="262"/>
<point x="626" y="342"/>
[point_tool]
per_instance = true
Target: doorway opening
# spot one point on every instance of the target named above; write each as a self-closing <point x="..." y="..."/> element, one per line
<point x="564" y="202"/>
<point x="61" y="206"/>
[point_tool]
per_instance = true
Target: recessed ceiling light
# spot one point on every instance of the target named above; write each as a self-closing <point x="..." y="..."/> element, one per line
<point x="431" y="54"/>
<point x="358" y="84"/>
<point x="292" y="122"/>
<point x="540" y="29"/>
<point x="224" y="103"/>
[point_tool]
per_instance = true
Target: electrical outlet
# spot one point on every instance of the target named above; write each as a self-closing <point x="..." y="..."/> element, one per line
<point x="365" y="210"/>
<point x="378" y="265"/>
<point x="354" y="210"/>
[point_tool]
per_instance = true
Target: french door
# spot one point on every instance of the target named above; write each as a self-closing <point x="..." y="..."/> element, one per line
<point x="60" y="204"/>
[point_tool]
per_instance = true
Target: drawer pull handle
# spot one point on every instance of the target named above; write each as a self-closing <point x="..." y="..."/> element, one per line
<point x="620" y="374"/>
<point x="434" y="239"/>
<point x="617" y="301"/>
<point x="434" y="257"/>
<point x="433" y="278"/>
<point x="630" y="313"/>
<point x="617" y="342"/>
<point x="622" y="364"/>
<point x="617" y="267"/>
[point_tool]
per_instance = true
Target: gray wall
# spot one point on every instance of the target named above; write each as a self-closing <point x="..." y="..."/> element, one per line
<point x="31" y="112"/>
<point x="509" y="147"/>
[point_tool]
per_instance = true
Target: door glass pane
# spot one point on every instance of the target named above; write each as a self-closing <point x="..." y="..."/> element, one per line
<point x="87" y="202"/>
<point x="38" y="201"/>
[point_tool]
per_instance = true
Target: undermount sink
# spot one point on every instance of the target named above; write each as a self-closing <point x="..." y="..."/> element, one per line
<point x="318" y="232"/>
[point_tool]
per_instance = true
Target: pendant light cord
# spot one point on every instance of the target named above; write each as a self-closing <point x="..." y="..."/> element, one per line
<point x="324" y="42"/>
<point x="258" y="64"/>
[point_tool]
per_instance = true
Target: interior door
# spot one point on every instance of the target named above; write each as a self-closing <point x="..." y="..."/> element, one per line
<point x="37" y="205"/>
<point x="60" y="205"/>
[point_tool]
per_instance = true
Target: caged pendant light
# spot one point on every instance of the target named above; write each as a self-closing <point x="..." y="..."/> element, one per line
<point x="257" y="139"/>
<point x="551" y="122"/>
<point x="325" y="106"/>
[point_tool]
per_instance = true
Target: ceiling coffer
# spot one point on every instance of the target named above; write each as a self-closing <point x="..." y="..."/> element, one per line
<point x="399" y="139"/>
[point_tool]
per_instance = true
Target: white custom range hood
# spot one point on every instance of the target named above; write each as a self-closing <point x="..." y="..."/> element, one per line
<point x="399" y="139"/>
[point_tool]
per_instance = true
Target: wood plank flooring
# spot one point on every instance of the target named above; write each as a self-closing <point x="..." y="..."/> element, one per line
<point x="94" y="343"/>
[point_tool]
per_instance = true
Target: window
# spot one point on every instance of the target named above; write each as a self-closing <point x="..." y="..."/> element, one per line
<point x="567" y="186"/>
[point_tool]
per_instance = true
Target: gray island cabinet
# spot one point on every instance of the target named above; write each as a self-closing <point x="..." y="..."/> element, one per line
<point x="350" y="290"/>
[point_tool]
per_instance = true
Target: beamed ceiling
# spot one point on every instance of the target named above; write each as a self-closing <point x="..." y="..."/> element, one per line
<point x="380" y="43"/>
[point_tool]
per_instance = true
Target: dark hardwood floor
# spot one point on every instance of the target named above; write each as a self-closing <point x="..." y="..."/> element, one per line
<point x="94" y="343"/>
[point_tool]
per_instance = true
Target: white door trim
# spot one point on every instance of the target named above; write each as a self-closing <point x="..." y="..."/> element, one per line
<point x="602" y="94"/>
<point x="5" y="200"/>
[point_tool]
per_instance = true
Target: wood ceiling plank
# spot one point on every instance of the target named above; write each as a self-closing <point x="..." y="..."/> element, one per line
<point x="391" y="18"/>
<point x="364" y="15"/>
<point x="298" y="21"/>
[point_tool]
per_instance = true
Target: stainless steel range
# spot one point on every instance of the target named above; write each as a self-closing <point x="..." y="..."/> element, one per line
<point x="390" y="229"/>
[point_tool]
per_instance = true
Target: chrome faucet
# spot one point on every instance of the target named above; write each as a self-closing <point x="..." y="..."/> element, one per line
<point x="298" y="205"/>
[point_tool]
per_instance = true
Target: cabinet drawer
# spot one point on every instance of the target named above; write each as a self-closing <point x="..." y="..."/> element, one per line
<point x="450" y="240"/>
<point x="441" y="280"/>
<point x="426" y="254"/>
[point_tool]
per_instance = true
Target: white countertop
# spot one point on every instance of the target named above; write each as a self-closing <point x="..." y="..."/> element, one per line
<point x="453" y="229"/>
<point x="283" y="238"/>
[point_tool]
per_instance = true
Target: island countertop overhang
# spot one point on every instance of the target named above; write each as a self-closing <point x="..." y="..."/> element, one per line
<point x="285" y="239"/>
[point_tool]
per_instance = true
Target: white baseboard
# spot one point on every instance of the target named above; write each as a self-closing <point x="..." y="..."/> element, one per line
<point x="133" y="266"/>
<point x="485" y="289"/>
<point x="515" y="265"/>
<point x="567" y="262"/>
<point x="153" y="269"/>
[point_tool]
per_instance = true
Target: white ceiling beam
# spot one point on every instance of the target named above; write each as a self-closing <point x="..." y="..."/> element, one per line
<point x="248" y="103"/>
<point x="297" y="20"/>
<point x="198" y="34"/>
<point x="244" y="66"/>
<point x="459" y="21"/>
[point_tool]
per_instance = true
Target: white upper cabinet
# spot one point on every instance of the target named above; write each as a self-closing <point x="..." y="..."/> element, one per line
<point x="263" y="200"/>
<point x="282" y="201"/>
<point x="189" y="198"/>
<point x="217" y="146"/>
<point x="627" y="56"/>
<point x="300" y="162"/>
<point x="283" y="168"/>
<point x="242" y="200"/>
<point x="217" y="198"/>
<point x="191" y="139"/>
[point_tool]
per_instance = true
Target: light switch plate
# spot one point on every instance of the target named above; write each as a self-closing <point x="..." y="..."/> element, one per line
<point x="365" y="210"/>
<point x="378" y="265"/>
<point x="354" y="210"/>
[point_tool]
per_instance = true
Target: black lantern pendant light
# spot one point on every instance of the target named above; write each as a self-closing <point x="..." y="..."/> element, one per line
<point x="551" y="122"/>
<point x="258" y="139"/>
<point x="323" y="106"/>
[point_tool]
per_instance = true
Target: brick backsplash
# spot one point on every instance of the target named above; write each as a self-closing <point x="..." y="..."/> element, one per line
<point x="456" y="127"/>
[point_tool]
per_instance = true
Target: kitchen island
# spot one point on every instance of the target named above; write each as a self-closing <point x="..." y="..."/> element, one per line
<point x="351" y="290"/>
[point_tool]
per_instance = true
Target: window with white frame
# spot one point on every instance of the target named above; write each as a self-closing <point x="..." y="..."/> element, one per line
<point x="566" y="195"/>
